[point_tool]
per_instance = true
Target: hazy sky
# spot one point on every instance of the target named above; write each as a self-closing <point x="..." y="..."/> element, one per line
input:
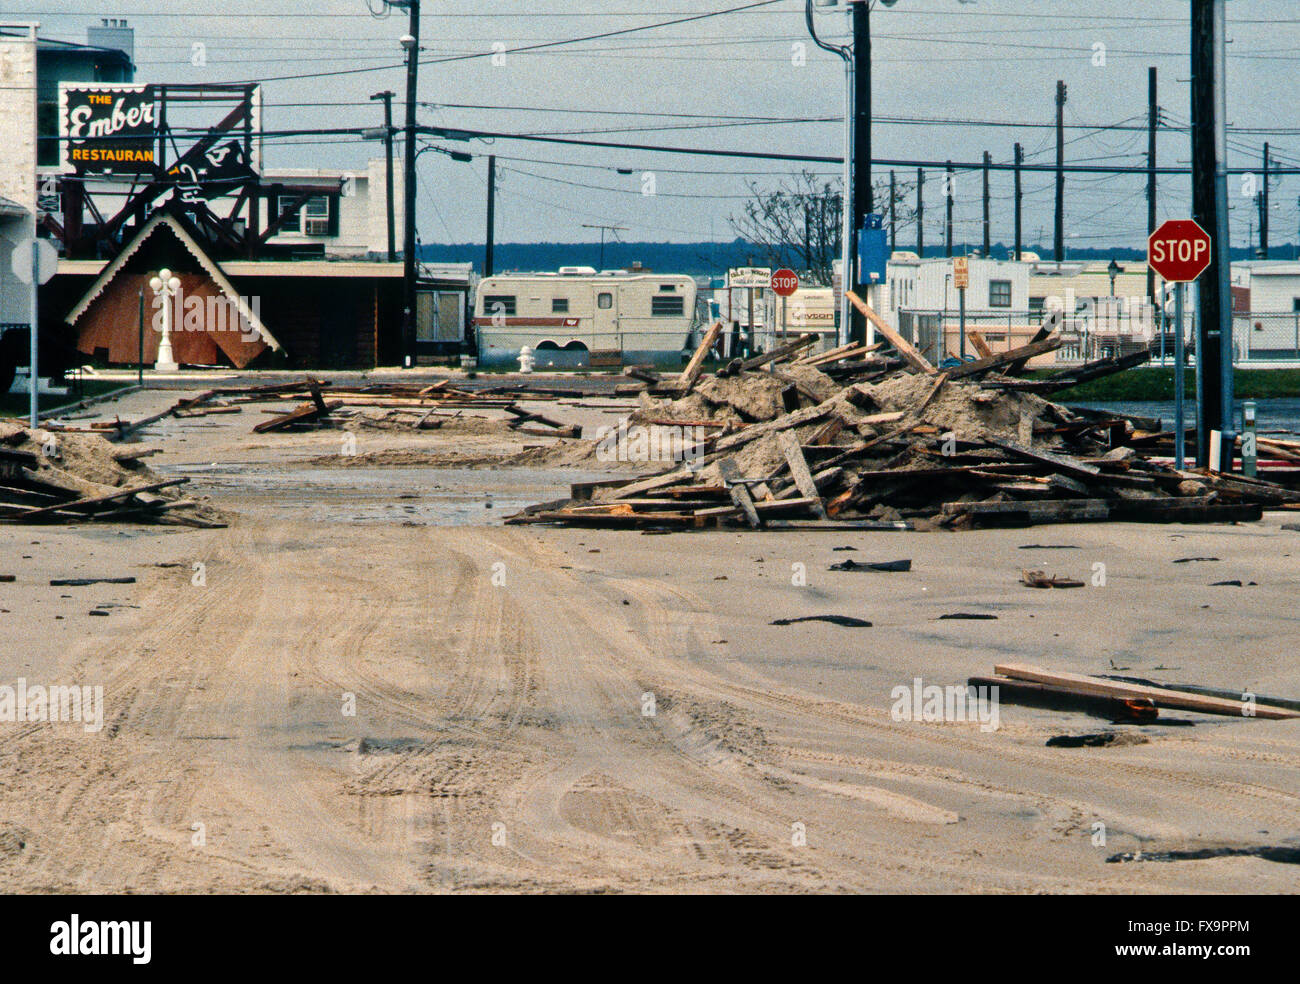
<point x="990" y="60"/>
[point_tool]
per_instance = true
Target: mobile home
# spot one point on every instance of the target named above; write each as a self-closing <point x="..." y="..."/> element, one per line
<point x="579" y="318"/>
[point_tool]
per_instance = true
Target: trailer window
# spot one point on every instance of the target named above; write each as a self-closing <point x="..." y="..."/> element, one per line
<point x="667" y="288"/>
<point x="499" y="304"/>
<point x="604" y="301"/>
<point x="999" y="293"/>
<point x="667" y="307"/>
<point x="559" y="305"/>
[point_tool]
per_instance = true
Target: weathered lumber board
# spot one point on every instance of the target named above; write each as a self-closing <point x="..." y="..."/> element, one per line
<point x="1024" y="352"/>
<point x="1161" y="697"/>
<point x="799" y="470"/>
<point x="901" y="345"/>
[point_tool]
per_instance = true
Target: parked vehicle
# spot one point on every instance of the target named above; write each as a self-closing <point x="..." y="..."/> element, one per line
<point x="579" y="318"/>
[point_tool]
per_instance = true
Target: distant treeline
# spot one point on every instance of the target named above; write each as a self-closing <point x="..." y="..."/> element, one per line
<point x="710" y="259"/>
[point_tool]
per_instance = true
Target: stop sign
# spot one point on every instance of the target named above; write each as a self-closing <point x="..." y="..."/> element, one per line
<point x="1179" y="250"/>
<point x="785" y="282"/>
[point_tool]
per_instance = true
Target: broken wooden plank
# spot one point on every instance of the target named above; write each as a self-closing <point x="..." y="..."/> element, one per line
<point x="981" y="346"/>
<point x="1058" y="462"/>
<point x="78" y="505"/>
<point x="1161" y="697"/>
<point x="901" y="345"/>
<point x="735" y="367"/>
<point x="1011" y="356"/>
<point x="691" y="374"/>
<point x="799" y="470"/>
<point x="739" y="492"/>
<point x="1135" y="709"/>
<point x="305" y="414"/>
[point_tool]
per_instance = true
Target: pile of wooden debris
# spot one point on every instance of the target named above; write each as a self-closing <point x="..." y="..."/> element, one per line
<point x="52" y="477"/>
<point x="852" y="437"/>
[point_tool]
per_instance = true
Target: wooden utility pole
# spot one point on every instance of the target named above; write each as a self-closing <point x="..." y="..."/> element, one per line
<point x="1263" y="210"/>
<point x="1020" y="159"/>
<point x="949" y="192"/>
<point x="920" y="212"/>
<point x="988" y="159"/>
<point x="1153" y="120"/>
<point x="387" y="97"/>
<point x="1060" y="172"/>
<point x="488" y="258"/>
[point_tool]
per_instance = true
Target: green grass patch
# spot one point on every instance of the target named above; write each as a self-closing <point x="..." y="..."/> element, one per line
<point x="1157" y="383"/>
<point x="17" y="404"/>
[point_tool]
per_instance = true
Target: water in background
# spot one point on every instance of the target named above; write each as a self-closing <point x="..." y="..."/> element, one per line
<point x="1277" y="416"/>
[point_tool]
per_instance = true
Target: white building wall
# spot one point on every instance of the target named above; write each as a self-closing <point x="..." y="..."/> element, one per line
<point x="363" y="214"/>
<point x="17" y="158"/>
<point x="1274" y="286"/>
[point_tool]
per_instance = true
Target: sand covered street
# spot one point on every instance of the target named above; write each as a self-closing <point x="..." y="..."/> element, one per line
<point x="366" y="683"/>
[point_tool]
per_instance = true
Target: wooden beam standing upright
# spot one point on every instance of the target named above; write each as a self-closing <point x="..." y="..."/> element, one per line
<point x="901" y="345"/>
<point x="693" y="368"/>
<point x="981" y="346"/>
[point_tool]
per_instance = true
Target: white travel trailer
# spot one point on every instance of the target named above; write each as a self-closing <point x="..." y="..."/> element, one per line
<point x="578" y="318"/>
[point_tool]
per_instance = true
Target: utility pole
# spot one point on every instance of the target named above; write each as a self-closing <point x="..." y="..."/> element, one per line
<point x="1209" y="208"/>
<point x="862" y="191"/>
<point x="948" y="193"/>
<point x="412" y="44"/>
<point x="387" y="97"/>
<point x="1020" y="159"/>
<point x="988" y="159"/>
<point x="1153" y="121"/>
<point x="893" y="212"/>
<point x="488" y="267"/>
<point x="1263" y="211"/>
<point x="1060" y="173"/>
<point x="920" y="212"/>
<point x="807" y="235"/>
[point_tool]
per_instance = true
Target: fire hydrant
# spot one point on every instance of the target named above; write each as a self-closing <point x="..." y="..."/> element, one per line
<point x="526" y="359"/>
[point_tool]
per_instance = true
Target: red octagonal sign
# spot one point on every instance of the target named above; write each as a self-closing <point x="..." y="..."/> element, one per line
<point x="785" y="282"/>
<point x="1179" y="250"/>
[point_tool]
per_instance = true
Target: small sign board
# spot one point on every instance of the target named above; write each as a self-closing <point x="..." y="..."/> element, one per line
<point x="960" y="272"/>
<point x="108" y="129"/>
<point x="749" y="277"/>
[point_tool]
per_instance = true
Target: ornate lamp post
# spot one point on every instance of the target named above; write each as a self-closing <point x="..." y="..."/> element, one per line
<point x="165" y="286"/>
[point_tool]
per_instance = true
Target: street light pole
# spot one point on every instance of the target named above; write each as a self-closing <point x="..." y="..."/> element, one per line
<point x="846" y="240"/>
<point x="411" y="42"/>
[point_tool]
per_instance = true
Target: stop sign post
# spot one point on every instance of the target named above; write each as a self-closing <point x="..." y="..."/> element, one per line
<point x="784" y="283"/>
<point x="1179" y="251"/>
<point x="34" y="262"/>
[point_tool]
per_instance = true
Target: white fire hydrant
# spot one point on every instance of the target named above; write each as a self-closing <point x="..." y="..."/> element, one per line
<point x="525" y="359"/>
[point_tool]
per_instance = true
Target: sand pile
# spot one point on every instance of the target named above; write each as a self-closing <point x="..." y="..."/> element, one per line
<point x="55" y="476"/>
